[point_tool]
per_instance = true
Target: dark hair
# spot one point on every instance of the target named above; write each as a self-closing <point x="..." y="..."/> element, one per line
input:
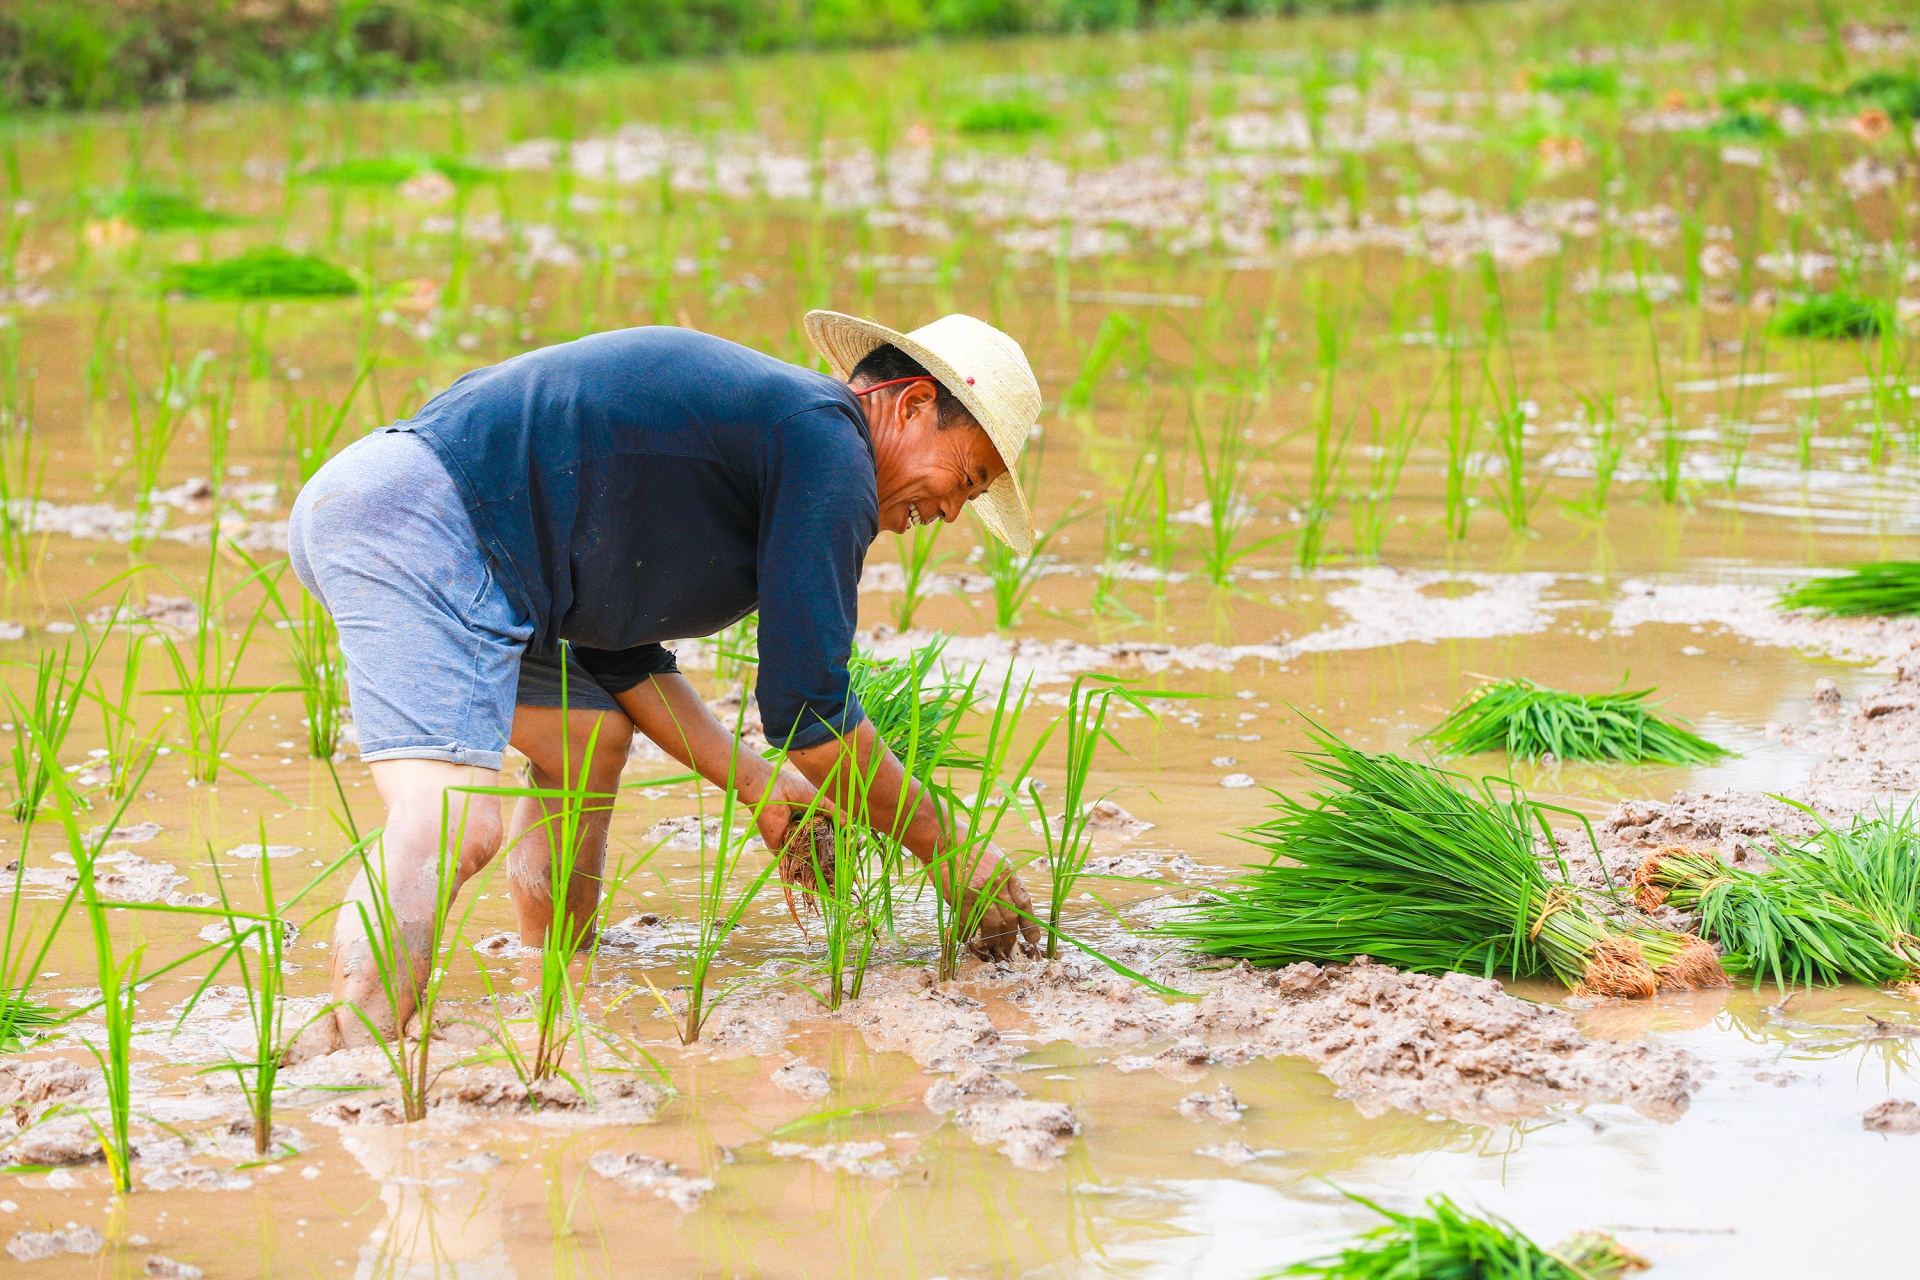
<point x="886" y="362"/>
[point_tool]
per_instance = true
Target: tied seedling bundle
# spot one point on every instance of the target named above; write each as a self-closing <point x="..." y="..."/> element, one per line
<point x="1887" y="590"/>
<point x="1844" y="905"/>
<point x="1448" y="1243"/>
<point x="1417" y="868"/>
<point x="1531" y="722"/>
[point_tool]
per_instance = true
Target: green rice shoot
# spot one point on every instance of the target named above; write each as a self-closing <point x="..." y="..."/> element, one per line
<point x="391" y="171"/>
<point x="1577" y="79"/>
<point x="1421" y="869"/>
<point x="1531" y="722"/>
<point x="915" y="704"/>
<point x="1833" y="316"/>
<point x="1449" y="1243"/>
<point x="1889" y="589"/>
<point x="267" y="272"/>
<point x="1842" y="906"/>
<point x="1895" y="92"/>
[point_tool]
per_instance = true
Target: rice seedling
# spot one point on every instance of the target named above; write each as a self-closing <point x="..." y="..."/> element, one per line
<point x="835" y="864"/>
<point x="965" y="889"/>
<point x="1371" y="507"/>
<point x="1014" y="576"/>
<point x="1225" y="482"/>
<point x="1121" y="521"/>
<point x="915" y="705"/>
<point x="22" y="1017"/>
<point x="1531" y="722"/>
<point x="1577" y="79"/>
<point x="1889" y="589"/>
<point x="1116" y="330"/>
<point x="153" y="438"/>
<point x="1332" y="328"/>
<point x="391" y="171"/>
<point x="736" y="649"/>
<point x="918" y="564"/>
<point x="1451" y="1242"/>
<point x="268" y="933"/>
<point x="1424" y="870"/>
<point x="409" y="961"/>
<point x="1833" y="316"/>
<point x="265" y="272"/>
<point x="1841" y="906"/>
<point x="207" y="663"/>
<point x="1068" y="838"/>
<point x="721" y="899"/>
<point x="118" y="976"/>
<point x="41" y="726"/>
<point x="1895" y="92"/>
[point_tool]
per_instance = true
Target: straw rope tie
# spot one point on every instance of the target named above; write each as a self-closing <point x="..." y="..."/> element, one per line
<point x="1558" y="900"/>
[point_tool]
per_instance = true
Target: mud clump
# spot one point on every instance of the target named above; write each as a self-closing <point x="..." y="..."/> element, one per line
<point x="32" y="1246"/>
<point x="976" y="1084"/>
<point x="1230" y="1153"/>
<point x="941" y="1030"/>
<point x="1449" y="1044"/>
<point x="1895" y="1115"/>
<point x="1031" y="1134"/>
<point x="196" y="1178"/>
<point x="161" y="1267"/>
<point x="648" y="1173"/>
<point x="1221" y="1106"/>
<point x="800" y="1077"/>
<point x="862" y="1159"/>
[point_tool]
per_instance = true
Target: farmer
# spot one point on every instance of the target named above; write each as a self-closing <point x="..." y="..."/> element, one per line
<point x="618" y="492"/>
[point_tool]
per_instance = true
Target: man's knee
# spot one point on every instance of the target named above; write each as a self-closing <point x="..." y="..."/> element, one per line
<point x="465" y="836"/>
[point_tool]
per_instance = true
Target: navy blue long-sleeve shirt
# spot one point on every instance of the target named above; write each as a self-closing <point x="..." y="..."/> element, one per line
<point x="657" y="484"/>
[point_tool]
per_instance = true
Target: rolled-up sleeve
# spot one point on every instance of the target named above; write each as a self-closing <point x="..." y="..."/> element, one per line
<point x="819" y="514"/>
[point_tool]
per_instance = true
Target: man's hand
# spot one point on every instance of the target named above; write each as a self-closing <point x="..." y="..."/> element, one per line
<point x="1007" y="925"/>
<point x="788" y="797"/>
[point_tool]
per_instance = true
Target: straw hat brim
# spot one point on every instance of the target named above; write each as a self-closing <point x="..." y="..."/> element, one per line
<point x="847" y="340"/>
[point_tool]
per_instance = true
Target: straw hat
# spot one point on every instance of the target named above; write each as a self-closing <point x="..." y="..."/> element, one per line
<point x="985" y="368"/>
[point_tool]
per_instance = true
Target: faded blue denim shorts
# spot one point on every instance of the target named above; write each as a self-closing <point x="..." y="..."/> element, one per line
<point x="434" y="648"/>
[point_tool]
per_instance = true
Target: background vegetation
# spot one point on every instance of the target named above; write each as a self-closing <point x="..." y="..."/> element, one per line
<point x="97" y="53"/>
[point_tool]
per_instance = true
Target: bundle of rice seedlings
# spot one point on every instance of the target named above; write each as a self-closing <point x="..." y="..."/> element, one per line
<point x="807" y="863"/>
<point x="1889" y="589"/>
<point x="266" y="272"/>
<point x="1004" y="117"/>
<point x="1531" y="722"/>
<point x="1449" y="1243"/>
<point x="22" y="1019"/>
<point x="915" y="704"/>
<point x="155" y="209"/>
<point x="1418" y="868"/>
<point x="1833" y="315"/>
<point x="1844" y="905"/>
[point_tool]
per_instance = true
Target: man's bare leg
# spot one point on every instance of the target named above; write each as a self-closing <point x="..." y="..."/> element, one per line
<point x="535" y="823"/>
<point x="422" y="819"/>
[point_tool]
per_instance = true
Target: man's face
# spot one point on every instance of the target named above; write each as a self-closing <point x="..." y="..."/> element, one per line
<point x="925" y="473"/>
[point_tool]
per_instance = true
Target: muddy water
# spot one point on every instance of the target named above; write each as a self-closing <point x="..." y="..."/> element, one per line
<point x="1765" y="1171"/>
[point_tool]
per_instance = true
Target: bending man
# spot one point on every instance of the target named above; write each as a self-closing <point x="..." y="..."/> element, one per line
<point x="617" y="492"/>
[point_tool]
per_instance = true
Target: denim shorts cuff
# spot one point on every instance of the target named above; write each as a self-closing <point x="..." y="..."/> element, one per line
<point x="470" y="756"/>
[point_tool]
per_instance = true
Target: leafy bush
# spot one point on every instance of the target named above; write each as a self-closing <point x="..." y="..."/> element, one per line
<point x="268" y="272"/>
<point x="1833" y="315"/>
<point x="1003" y="117"/>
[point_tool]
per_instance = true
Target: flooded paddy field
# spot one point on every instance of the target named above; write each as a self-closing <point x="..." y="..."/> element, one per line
<point x="1382" y="356"/>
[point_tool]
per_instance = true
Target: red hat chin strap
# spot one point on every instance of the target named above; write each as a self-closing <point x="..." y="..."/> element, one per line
<point x="918" y="377"/>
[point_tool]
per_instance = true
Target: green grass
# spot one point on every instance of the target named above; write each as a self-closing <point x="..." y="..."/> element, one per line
<point x="1889" y="589"/>
<point x="267" y="272"/>
<point x="1842" y="906"/>
<point x="1833" y="316"/>
<point x="157" y="209"/>
<point x="1449" y="1243"/>
<point x="1003" y="117"/>
<point x="1418" y="868"/>
<point x="1531" y="722"/>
